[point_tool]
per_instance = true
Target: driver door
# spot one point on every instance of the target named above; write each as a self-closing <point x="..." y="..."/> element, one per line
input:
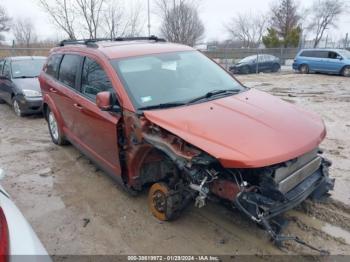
<point x="96" y="129"/>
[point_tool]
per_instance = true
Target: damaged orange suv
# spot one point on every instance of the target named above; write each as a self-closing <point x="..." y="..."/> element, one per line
<point x="163" y="116"/>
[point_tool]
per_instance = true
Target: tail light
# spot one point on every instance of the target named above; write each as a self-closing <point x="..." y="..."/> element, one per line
<point x="4" y="237"/>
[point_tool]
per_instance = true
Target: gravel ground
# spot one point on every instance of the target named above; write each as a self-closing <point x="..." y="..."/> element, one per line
<point x="76" y="209"/>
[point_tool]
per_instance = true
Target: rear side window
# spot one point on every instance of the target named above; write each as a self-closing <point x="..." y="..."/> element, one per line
<point x="53" y="65"/>
<point x="94" y="79"/>
<point x="68" y="70"/>
<point x="308" y="54"/>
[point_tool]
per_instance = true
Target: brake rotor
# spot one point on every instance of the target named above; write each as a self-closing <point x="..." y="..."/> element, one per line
<point x="163" y="202"/>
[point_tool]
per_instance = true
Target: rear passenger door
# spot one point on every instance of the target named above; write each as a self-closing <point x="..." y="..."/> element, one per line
<point x="64" y="91"/>
<point x="96" y="130"/>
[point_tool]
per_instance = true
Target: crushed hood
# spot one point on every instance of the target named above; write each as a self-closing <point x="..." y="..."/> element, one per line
<point x="250" y="129"/>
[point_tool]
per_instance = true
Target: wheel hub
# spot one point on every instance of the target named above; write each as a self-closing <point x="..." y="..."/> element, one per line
<point x="159" y="201"/>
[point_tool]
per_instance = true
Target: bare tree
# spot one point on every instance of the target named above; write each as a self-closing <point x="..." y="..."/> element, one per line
<point x="90" y="10"/>
<point x="24" y="32"/>
<point x="62" y="14"/>
<point x="121" y="21"/>
<point x="4" y="21"/>
<point x="325" y="14"/>
<point x="114" y="21"/>
<point x="180" y="21"/>
<point x="248" y="28"/>
<point x="134" y="26"/>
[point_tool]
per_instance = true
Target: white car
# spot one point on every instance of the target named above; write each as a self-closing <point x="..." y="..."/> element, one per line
<point x="17" y="238"/>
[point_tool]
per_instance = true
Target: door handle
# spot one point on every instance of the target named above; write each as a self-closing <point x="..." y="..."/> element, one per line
<point x="53" y="90"/>
<point x="78" y="106"/>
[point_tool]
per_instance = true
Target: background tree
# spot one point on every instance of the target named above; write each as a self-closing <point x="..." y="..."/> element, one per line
<point x="4" y="22"/>
<point x="90" y="11"/>
<point x="119" y="23"/>
<point x="285" y="20"/>
<point x="24" y="32"/>
<point x="180" y="21"/>
<point x="271" y="39"/>
<point x="324" y="15"/>
<point x="62" y="14"/>
<point x="247" y="28"/>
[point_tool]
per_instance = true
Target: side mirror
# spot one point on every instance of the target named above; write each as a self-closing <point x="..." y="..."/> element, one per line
<point x="106" y="101"/>
<point x="339" y="57"/>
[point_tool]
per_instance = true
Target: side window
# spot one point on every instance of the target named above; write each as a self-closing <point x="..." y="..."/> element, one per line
<point x="52" y="65"/>
<point x="1" y="65"/>
<point x="68" y="70"/>
<point x="332" y="55"/>
<point x="94" y="79"/>
<point x="321" y="54"/>
<point x="7" y="69"/>
<point x="306" y="54"/>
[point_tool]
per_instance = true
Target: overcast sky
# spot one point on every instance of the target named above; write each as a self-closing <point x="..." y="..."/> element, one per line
<point x="214" y="13"/>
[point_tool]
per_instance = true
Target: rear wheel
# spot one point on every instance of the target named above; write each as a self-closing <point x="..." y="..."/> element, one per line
<point x="245" y="70"/>
<point x="56" y="134"/>
<point x="276" y="68"/>
<point x="304" y="69"/>
<point x="16" y="108"/>
<point x="346" y="71"/>
<point x="163" y="203"/>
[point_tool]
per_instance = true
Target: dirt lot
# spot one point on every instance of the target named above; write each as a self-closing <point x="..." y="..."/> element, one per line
<point x="76" y="209"/>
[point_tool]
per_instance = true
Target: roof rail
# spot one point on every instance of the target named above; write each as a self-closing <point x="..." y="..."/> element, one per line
<point x="92" y="42"/>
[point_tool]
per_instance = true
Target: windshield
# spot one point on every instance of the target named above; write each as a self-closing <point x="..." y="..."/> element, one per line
<point x="345" y="53"/>
<point x="172" y="77"/>
<point x="27" y="68"/>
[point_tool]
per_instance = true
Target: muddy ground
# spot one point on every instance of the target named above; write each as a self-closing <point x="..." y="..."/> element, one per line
<point x="76" y="209"/>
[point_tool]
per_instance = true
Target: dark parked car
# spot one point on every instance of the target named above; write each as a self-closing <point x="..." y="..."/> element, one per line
<point x="330" y="61"/>
<point x="254" y="63"/>
<point x="19" y="85"/>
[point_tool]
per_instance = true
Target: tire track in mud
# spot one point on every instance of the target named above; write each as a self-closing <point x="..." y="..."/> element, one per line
<point x="333" y="212"/>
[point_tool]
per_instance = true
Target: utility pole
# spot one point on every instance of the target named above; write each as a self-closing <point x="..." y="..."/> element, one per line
<point x="346" y="40"/>
<point x="149" y="18"/>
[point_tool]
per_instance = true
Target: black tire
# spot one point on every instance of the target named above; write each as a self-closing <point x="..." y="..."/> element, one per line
<point x="304" y="69"/>
<point x="55" y="132"/>
<point x="346" y="71"/>
<point x="276" y="68"/>
<point x="16" y="108"/>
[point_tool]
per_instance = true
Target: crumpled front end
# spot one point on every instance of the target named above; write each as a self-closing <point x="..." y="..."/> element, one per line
<point x="282" y="187"/>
